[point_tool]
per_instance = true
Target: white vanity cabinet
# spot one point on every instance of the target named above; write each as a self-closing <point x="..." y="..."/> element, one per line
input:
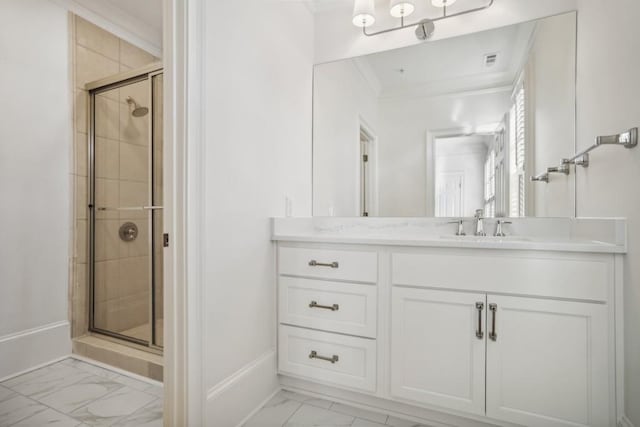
<point x="548" y="364"/>
<point x="437" y="354"/>
<point x="539" y="363"/>
<point x="504" y="337"/>
<point x="527" y="331"/>
<point x="327" y="310"/>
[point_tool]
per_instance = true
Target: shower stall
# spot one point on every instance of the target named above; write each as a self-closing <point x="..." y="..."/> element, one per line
<point x="125" y="189"/>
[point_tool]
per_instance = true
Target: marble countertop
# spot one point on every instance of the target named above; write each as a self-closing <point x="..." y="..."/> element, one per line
<point x="597" y="235"/>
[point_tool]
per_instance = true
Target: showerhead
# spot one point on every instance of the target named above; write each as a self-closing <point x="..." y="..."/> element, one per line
<point x="137" y="111"/>
<point x="140" y="112"/>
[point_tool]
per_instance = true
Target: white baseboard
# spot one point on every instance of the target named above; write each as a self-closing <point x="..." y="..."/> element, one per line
<point x="242" y="393"/>
<point x="625" y="422"/>
<point x="27" y="350"/>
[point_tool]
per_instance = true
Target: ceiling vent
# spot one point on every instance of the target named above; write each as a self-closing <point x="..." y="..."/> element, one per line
<point x="490" y="59"/>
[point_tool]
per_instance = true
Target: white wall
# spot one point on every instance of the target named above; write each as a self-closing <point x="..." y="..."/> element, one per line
<point x="402" y="152"/>
<point x="35" y="151"/>
<point x="608" y="102"/>
<point x="552" y="67"/>
<point x="258" y="78"/>
<point x="342" y="99"/>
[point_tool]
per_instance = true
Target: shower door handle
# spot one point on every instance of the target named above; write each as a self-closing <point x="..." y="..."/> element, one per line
<point x="131" y="208"/>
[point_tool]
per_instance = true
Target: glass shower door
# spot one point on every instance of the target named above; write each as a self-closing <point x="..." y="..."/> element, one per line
<point x="126" y="219"/>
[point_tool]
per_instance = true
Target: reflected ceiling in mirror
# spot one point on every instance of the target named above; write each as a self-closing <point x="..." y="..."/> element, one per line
<point x="449" y="127"/>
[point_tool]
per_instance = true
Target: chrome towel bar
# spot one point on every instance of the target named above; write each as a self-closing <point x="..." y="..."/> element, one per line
<point x="628" y="139"/>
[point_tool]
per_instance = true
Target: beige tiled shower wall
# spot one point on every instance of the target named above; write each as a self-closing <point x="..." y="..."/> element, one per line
<point x="122" y="269"/>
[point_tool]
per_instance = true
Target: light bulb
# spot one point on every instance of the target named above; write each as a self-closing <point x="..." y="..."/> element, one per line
<point x="363" y="13"/>
<point x="401" y="8"/>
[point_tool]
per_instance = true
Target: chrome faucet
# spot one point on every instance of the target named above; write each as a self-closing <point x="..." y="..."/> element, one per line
<point x="460" y="223"/>
<point x="499" y="232"/>
<point x="480" y="223"/>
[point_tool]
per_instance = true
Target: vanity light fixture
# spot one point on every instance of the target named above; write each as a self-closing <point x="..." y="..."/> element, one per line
<point x="401" y="8"/>
<point x="364" y="16"/>
<point x="364" y="13"/>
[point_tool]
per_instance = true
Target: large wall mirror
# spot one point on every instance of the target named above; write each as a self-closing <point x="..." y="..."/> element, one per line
<point x="448" y="127"/>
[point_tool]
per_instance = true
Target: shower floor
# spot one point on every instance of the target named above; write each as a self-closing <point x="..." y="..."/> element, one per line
<point x="143" y="332"/>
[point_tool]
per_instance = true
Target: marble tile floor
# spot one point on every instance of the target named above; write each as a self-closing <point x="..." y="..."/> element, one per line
<point x="74" y="393"/>
<point x="289" y="409"/>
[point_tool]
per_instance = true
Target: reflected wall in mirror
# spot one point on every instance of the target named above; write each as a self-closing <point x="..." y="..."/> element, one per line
<point x="448" y="127"/>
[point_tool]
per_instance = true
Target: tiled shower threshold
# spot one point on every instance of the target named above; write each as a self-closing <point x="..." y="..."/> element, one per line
<point x="125" y="357"/>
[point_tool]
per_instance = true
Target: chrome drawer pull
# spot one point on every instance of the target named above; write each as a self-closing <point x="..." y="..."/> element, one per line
<point x="314" y="355"/>
<point x="493" y="335"/>
<point x="314" y="263"/>
<point x="334" y="307"/>
<point x="479" y="307"/>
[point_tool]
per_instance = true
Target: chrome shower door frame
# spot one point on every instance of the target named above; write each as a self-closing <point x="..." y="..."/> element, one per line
<point x="95" y="88"/>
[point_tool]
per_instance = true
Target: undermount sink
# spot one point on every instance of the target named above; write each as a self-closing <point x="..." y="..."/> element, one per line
<point x="495" y="239"/>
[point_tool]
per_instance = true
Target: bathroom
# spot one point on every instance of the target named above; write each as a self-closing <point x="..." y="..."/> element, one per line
<point x="263" y="214"/>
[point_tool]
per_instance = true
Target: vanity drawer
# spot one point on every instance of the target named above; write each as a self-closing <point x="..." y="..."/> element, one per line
<point x="574" y="276"/>
<point x="358" y="266"/>
<point x="347" y="308"/>
<point x="331" y="358"/>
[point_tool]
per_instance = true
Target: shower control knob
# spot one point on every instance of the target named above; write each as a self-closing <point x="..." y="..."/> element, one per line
<point x="128" y="232"/>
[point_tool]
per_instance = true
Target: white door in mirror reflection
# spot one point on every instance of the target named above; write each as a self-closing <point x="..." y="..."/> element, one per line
<point x="460" y="156"/>
<point x="366" y="172"/>
<point x="450" y="194"/>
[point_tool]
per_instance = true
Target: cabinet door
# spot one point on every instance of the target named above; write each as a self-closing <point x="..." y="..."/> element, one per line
<point x="547" y="364"/>
<point x="437" y="354"/>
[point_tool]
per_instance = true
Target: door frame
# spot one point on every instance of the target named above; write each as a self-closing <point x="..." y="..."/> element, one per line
<point x="372" y="193"/>
<point x="183" y="53"/>
<point x="372" y="190"/>
<point x="430" y="156"/>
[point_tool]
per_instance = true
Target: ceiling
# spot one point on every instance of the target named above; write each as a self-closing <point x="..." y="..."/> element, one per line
<point x="450" y="65"/>
<point x="147" y="11"/>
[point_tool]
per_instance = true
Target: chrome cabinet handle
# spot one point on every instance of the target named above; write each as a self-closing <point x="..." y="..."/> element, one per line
<point x="332" y="359"/>
<point x="314" y="263"/>
<point x="480" y="308"/>
<point x="493" y="335"/>
<point x="334" y="307"/>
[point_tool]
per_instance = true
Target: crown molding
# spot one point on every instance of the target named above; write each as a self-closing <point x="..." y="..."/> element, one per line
<point x="117" y="22"/>
<point x="476" y="85"/>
